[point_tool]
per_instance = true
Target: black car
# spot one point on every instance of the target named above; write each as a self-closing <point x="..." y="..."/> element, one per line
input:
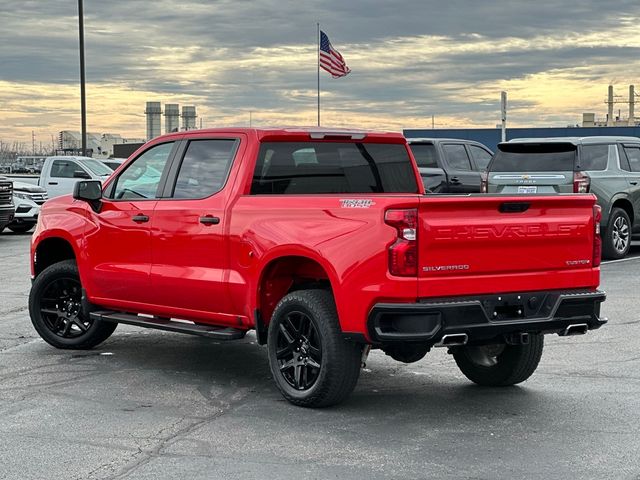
<point x="450" y="165"/>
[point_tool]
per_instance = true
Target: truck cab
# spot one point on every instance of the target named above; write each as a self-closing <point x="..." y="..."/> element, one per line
<point x="60" y="173"/>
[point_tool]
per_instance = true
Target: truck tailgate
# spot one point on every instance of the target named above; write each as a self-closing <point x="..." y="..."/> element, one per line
<point x="494" y="244"/>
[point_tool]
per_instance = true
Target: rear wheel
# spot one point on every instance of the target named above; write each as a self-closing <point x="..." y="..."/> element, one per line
<point x="500" y="364"/>
<point x="312" y="364"/>
<point x="55" y="307"/>
<point x="617" y="240"/>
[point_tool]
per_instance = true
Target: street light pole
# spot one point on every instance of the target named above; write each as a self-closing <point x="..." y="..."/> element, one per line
<point x="83" y="101"/>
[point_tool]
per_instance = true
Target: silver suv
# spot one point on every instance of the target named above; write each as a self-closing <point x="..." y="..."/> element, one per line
<point x="609" y="167"/>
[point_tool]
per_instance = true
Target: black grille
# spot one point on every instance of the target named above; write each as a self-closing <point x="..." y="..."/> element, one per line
<point x="6" y="192"/>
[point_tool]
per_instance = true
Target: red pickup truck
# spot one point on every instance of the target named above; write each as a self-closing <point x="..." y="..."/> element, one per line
<point x="324" y="243"/>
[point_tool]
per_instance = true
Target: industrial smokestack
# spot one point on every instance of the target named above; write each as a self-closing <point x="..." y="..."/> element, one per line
<point x="171" y="117"/>
<point x="188" y="117"/>
<point x="610" y="105"/>
<point x="632" y="105"/>
<point x="154" y="114"/>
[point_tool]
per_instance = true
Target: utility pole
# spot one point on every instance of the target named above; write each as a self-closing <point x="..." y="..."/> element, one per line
<point x="33" y="142"/>
<point x="83" y="101"/>
<point x="503" y="114"/>
<point x="433" y="121"/>
<point x="250" y="119"/>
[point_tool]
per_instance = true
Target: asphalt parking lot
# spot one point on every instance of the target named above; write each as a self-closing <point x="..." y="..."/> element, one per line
<point x="149" y="404"/>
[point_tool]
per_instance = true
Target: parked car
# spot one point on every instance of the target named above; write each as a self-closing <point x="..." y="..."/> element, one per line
<point x="323" y="242"/>
<point x="609" y="167"/>
<point x="7" y="209"/>
<point x="27" y="199"/>
<point x="449" y="165"/>
<point x="60" y="173"/>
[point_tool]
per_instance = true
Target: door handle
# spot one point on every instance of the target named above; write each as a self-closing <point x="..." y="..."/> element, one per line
<point x="455" y="180"/>
<point x="209" y="220"/>
<point x="53" y="183"/>
<point x="140" y="218"/>
<point x="633" y="183"/>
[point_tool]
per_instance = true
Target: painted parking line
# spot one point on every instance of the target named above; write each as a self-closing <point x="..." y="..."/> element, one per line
<point x="628" y="259"/>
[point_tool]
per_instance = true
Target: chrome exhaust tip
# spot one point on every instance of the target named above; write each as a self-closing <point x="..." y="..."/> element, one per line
<point x="453" y="340"/>
<point x="575" y="329"/>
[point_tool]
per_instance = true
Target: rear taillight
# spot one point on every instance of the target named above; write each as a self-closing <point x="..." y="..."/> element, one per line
<point x="597" y="239"/>
<point x="403" y="254"/>
<point x="484" y="182"/>
<point x="581" y="182"/>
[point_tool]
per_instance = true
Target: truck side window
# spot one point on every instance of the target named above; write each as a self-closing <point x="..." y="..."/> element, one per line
<point x="457" y="157"/>
<point x="480" y="156"/>
<point x="142" y="177"/>
<point x="633" y="154"/>
<point x="204" y="168"/>
<point x="594" y="157"/>
<point x="64" y="168"/>
<point x="425" y="154"/>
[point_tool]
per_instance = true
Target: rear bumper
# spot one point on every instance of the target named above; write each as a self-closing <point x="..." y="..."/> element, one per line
<point x="486" y="318"/>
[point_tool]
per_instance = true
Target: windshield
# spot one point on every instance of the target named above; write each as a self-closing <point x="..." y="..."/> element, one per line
<point x="539" y="157"/>
<point x="97" y="167"/>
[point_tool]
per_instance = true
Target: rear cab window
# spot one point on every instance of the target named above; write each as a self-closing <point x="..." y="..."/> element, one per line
<point x="534" y="157"/>
<point x="287" y="168"/>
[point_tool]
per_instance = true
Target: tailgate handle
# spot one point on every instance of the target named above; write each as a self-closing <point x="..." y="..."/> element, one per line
<point x="514" y="207"/>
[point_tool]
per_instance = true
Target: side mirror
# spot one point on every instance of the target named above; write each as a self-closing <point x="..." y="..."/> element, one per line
<point x="81" y="174"/>
<point x="89" y="191"/>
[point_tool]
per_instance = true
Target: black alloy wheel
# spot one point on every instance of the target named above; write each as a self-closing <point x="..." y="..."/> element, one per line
<point x="311" y="362"/>
<point x="55" y="307"/>
<point x="61" y="306"/>
<point x="299" y="350"/>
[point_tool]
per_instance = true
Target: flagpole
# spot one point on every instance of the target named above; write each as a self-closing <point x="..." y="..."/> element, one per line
<point x="318" y="36"/>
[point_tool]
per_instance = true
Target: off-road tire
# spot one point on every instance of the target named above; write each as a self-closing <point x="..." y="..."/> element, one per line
<point x="514" y="364"/>
<point x="609" y="251"/>
<point x="97" y="331"/>
<point x="341" y="360"/>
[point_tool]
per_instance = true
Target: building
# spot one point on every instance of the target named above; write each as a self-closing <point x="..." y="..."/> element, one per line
<point x="99" y="145"/>
<point x="589" y="119"/>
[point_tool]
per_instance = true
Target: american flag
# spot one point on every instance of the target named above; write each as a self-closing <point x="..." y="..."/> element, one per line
<point x="330" y="58"/>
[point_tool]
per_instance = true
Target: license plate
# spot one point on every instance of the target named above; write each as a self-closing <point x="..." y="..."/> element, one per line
<point x="527" y="189"/>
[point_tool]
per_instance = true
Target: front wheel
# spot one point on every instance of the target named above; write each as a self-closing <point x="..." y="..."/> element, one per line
<point x="55" y="307"/>
<point x="312" y="364"/>
<point x="500" y="364"/>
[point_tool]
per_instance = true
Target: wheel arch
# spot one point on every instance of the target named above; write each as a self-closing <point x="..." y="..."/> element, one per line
<point x="282" y="274"/>
<point x="51" y="250"/>
<point x="625" y="204"/>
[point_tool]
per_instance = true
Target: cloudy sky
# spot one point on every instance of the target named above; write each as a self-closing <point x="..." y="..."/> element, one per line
<point x="409" y="59"/>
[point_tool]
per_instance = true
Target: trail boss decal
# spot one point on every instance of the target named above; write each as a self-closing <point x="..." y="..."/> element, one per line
<point x="357" y="203"/>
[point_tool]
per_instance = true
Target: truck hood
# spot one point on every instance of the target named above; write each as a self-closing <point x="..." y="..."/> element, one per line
<point x="27" y="187"/>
